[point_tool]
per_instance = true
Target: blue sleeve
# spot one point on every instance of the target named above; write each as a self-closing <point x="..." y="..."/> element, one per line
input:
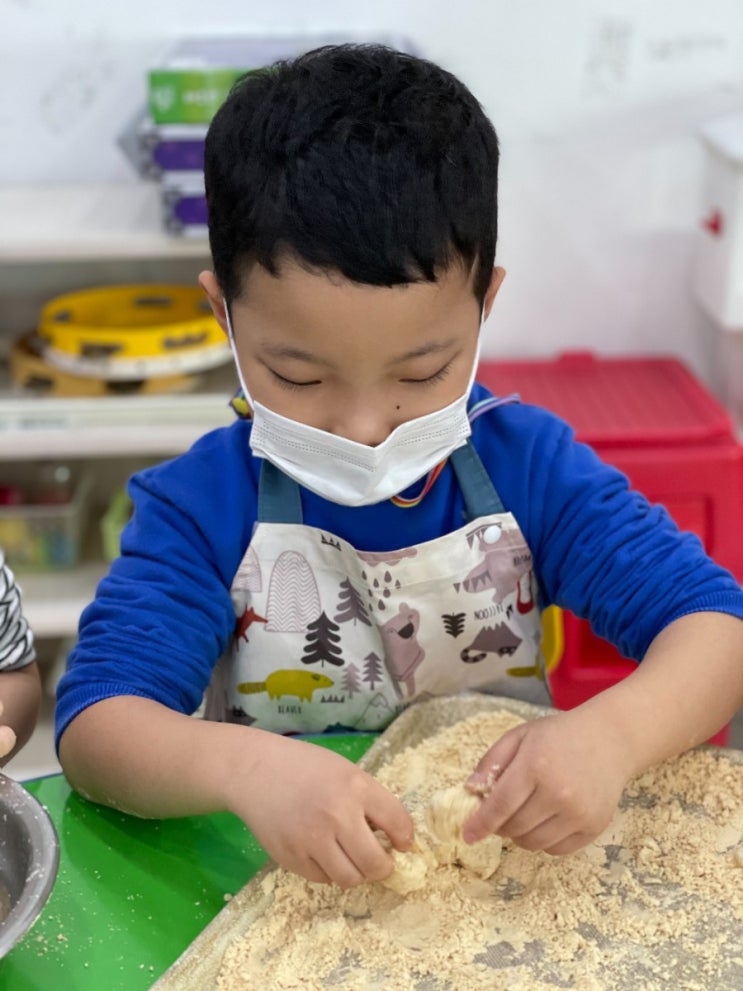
<point x="163" y="616"/>
<point x="600" y="548"/>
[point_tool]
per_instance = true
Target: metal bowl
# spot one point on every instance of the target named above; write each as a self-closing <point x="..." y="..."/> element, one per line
<point x="29" y="858"/>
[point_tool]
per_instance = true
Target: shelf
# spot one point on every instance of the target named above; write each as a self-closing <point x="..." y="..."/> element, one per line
<point x="43" y="228"/>
<point x="37" y="427"/>
<point x="54" y="600"/>
<point x="95" y="221"/>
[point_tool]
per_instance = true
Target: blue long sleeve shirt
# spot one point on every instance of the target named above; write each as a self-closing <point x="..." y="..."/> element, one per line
<point x="163" y="615"/>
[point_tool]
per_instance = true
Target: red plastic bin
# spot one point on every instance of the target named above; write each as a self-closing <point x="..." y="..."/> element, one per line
<point x="652" y="419"/>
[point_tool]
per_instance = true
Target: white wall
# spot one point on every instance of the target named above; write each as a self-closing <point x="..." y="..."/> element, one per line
<point x="597" y="104"/>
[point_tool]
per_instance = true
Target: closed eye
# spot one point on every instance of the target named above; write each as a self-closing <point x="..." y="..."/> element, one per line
<point x="290" y="383"/>
<point x="430" y="379"/>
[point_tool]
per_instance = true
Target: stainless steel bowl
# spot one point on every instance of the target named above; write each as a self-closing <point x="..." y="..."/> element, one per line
<point x="29" y="858"/>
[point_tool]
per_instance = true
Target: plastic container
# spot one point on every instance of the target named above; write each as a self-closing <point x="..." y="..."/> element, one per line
<point x="652" y="419"/>
<point x="717" y="278"/>
<point x="589" y="664"/>
<point x="553" y="637"/>
<point x="616" y="402"/>
<point x="113" y="522"/>
<point x="730" y="372"/>
<point x="718" y="270"/>
<point x="45" y="537"/>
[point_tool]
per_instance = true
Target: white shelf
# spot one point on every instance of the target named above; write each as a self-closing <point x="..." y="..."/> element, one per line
<point x="37" y="427"/>
<point x="54" y="600"/>
<point x="95" y="221"/>
<point x="42" y="227"/>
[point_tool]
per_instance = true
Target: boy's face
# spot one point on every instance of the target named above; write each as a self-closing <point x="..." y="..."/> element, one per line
<point x="351" y="359"/>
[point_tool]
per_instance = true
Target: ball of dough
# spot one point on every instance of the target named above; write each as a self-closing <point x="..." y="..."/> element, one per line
<point x="448" y="811"/>
<point x="446" y="814"/>
<point x="409" y="874"/>
<point x="439" y="841"/>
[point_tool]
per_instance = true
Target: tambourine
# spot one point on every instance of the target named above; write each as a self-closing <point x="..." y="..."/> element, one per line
<point x="132" y="332"/>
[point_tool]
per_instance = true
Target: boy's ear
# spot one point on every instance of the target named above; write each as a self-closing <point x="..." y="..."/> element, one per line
<point x="496" y="279"/>
<point x="208" y="282"/>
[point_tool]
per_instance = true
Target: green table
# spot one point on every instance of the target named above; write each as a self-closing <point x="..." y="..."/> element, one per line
<point x="132" y="894"/>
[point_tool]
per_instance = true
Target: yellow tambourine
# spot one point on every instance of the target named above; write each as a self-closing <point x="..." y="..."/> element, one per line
<point x="30" y="370"/>
<point x="132" y="332"/>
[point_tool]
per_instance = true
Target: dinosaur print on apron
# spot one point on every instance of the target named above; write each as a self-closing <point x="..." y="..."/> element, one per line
<point x="328" y="637"/>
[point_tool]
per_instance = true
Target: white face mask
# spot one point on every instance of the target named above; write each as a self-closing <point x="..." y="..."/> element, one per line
<point x="345" y="471"/>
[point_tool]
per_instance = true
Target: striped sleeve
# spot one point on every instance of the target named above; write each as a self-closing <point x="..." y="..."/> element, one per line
<point x="16" y="639"/>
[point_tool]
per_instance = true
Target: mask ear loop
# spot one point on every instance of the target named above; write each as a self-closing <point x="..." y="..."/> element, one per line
<point x="241" y="401"/>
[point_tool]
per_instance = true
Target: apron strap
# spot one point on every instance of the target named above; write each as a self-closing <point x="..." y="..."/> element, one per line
<point x="480" y="495"/>
<point x="279" y="500"/>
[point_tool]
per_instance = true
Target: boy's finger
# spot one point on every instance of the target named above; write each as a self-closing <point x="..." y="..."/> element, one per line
<point x="338" y="866"/>
<point x="496" y="760"/>
<point x="571" y="843"/>
<point x="543" y="836"/>
<point x="391" y="816"/>
<point x="312" y="872"/>
<point x="532" y="815"/>
<point x="7" y="740"/>
<point x="512" y="791"/>
<point x="367" y="852"/>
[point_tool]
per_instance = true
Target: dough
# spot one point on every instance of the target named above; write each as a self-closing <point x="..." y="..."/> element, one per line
<point x="447" y="812"/>
<point x="439" y="841"/>
<point x="410" y="871"/>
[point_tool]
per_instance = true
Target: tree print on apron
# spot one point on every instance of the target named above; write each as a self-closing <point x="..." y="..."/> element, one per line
<point x="328" y="637"/>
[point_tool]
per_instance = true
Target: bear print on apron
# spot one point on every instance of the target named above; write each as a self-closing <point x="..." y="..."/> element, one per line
<point x="331" y="638"/>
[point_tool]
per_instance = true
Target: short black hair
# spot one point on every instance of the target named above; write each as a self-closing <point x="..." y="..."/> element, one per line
<point x="357" y="158"/>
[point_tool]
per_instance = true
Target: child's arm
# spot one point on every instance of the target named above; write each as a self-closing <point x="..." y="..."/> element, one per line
<point x="313" y="811"/>
<point x="20" y="694"/>
<point x="561" y="777"/>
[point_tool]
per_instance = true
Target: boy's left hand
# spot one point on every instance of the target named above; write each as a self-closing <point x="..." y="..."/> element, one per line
<point x="551" y="784"/>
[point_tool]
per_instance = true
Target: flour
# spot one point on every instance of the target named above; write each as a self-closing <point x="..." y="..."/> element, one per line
<point x="655" y="902"/>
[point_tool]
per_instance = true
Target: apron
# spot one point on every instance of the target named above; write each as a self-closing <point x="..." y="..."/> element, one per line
<point x="331" y="638"/>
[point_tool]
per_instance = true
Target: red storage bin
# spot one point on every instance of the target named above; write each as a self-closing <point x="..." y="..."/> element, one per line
<point x="652" y="419"/>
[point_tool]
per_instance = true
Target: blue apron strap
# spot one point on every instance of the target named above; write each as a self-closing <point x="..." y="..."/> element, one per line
<point x="279" y="500"/>
<point x="480" y="495"/>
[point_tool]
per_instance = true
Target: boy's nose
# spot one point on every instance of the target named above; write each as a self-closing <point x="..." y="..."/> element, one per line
<point x="364" y="427"/>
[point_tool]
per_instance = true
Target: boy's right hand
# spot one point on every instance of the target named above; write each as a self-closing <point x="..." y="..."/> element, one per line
<point x="7" y="737"/>
<point x="315" y="812"/>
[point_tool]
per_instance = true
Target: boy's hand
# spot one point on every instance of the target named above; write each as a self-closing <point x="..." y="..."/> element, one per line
<point x="7" y="737"/>
<point x="315" y="813"/>
<point x="552" y="784"/>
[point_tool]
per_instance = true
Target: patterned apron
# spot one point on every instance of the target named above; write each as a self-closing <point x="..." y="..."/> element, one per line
<point x="330" y="638"/>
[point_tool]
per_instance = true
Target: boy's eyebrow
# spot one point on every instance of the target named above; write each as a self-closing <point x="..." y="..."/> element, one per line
<point x="433" y="347"/>
<point x="287" y="351"/>
<point x="298" y="354"/>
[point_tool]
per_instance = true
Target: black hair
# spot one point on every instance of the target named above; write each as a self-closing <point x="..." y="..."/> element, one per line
<point x="357" y="158"/>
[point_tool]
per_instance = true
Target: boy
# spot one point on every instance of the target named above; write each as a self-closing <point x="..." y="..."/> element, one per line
<point x="20" y="686"/>
<point x="378" y="528"/>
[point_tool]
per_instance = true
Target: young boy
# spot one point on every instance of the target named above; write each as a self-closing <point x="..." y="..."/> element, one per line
<point x="378" y="528"/>
<point x="20" y="686"/>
